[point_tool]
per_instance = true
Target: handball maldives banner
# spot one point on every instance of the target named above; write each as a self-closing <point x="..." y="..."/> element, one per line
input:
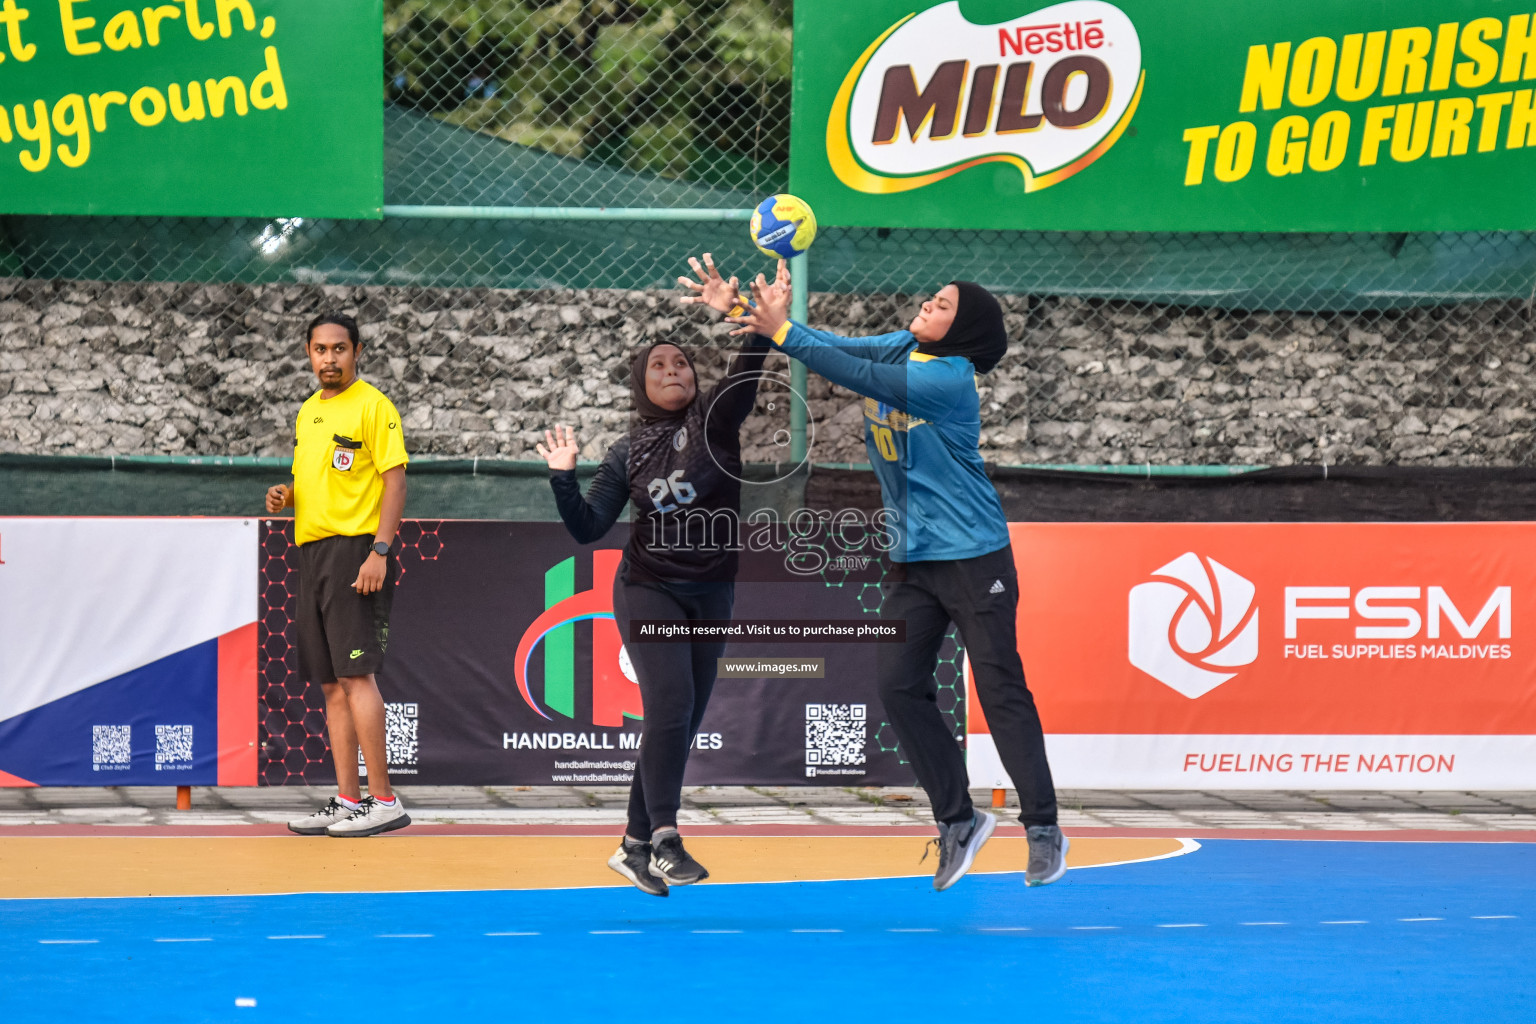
<point x="1167" y="115"/>
<point x="505" y="666"/>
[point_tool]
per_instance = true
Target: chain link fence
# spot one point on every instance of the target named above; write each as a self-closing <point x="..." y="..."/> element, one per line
<point x="178" y="336"/>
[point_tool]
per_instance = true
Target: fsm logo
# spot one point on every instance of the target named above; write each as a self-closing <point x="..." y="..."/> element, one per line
<point x="615" y="693"/>
<point x="1192" y="623"/>
<point x="1047" y="93"/>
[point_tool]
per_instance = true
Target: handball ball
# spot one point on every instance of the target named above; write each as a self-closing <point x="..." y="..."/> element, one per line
<point x="783" y="226"/>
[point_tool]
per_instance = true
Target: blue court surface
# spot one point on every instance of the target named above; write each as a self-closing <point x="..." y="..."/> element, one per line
<point x="1258" y="931"/>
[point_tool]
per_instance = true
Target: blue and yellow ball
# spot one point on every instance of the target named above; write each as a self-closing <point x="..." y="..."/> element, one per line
<point x="783" y="226"/>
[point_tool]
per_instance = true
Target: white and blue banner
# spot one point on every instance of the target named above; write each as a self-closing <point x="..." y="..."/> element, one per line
<point x="127" y="651"/>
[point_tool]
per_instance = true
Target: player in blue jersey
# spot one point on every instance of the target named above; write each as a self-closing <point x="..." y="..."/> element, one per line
<point x="954" y="562"/>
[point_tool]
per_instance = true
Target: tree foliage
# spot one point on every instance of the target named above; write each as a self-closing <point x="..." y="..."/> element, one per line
<point x="694" y="89"/>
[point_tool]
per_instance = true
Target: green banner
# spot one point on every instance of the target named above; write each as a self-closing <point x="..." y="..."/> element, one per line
<point x="1167" y="115"/>
<point x="263" y="108"/>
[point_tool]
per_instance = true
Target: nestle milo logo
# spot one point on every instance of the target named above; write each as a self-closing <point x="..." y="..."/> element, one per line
<point x="1047" y="93"/>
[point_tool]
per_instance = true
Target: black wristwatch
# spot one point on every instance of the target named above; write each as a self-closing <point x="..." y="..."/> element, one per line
<point x="380" y="548"/>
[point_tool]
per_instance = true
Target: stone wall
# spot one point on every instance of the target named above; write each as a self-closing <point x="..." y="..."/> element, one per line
<point x="98" y="368"/>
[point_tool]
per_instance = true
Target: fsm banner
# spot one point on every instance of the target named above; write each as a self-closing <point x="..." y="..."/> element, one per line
<point x="264" y="108"/>
<point x="1278" y="656"/>
<point x="506" y="665"/>
<point x="127" y="652"/>
<point x="1167" y="115"/>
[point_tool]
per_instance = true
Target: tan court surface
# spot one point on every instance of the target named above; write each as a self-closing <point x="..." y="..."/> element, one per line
<point x="95" y="866"/>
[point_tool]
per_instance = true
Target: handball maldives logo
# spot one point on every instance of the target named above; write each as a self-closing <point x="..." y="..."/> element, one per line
<point x="1047" y="93"/>
<point x="1194" y="620"/>
<point x="615" y="690"/>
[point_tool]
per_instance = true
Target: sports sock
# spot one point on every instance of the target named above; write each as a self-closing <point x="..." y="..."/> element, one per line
<point x="386" y="803"/>
<point x="630" y="842"/>
<point x="348" y="802"/>
<point x="662" y="833"/>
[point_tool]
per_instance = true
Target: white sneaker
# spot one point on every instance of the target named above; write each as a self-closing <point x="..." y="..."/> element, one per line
<point x="316" y="824"/>
<point x="370" y="818"/>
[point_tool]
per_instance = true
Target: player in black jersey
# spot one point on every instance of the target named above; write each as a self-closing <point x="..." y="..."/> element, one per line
<point x="680" y="464"/>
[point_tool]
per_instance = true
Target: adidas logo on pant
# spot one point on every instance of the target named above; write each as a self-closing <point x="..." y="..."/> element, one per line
<point x="997" y="587"/>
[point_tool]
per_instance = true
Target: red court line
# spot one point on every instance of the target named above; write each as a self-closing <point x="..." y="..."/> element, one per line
<point x="1015" y="831"/>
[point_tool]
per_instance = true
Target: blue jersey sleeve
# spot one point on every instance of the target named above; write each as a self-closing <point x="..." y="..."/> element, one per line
<point x="882" y="368"/>
<point x="880" y="348"/>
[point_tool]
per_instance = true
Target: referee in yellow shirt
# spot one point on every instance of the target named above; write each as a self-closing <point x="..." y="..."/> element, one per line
<point x="347" y="496"/>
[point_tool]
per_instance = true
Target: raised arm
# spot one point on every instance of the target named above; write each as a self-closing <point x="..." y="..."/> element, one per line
<point x="885" y="367"/>
<point x="919" y="386"/>
<point x="587" y="518"/>
<point x="730" y="402"/>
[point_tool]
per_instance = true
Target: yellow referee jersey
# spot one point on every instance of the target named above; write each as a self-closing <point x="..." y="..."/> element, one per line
<point x="341" y="447"/>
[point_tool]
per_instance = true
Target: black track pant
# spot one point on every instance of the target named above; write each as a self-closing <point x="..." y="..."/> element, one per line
<point x="675" y="681"/>
<point x="981" y="596"/>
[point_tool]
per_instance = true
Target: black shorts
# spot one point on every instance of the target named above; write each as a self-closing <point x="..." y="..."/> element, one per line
<point x="340" y="632"/>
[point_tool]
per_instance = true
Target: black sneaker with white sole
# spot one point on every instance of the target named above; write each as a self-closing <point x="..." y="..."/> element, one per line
<point x="672" y="862"/>
<point x="958" y="845"/>
<point x="634" y="863"/>
<point x="1047" y="854"/>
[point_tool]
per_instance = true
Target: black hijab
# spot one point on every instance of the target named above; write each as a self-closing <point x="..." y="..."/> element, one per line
<point x="647" y="410"/>
<point x="977" y="334"/>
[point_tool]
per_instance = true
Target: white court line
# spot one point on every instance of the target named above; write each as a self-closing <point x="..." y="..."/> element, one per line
<point x="1015" y="928"/>
<point x="1095" y="928"/>
<point x="1185" y="846"/>
<point x="406" y="935"/>
<point x="67" y="942"/>
<point x="1181" y="926"/>
<point x="1493" y="917"/>
<point x="717" y="931"/>
<point x="499" y="934"/>
<point x="1343" y="922"/>
<point x="246" y="1001"/>
<point x="908" y="930"/>
<point x="614" y="932"/>
<point x="277" y="938"/>
<point x="183" y="940"/>
<point x="816" y="931"/>
<point x="1264" y="924"/>
<point x="1421" y="919"/>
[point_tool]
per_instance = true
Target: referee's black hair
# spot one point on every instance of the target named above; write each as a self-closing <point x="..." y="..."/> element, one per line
<point x="340" y="320"/>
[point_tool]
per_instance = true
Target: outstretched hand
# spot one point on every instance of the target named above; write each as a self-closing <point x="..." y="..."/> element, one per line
<point x="710" y="289"/>
<point x="562" y="450"/>
<point x="770" y="305"/>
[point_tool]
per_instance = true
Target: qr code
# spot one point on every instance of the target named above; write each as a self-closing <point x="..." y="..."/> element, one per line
<point x="835" y="733"/>
<point x="173" y="746"/>
<point x="111" y="747"/>
<point x="400" y="734"/>
<point x="400" y="722"/>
